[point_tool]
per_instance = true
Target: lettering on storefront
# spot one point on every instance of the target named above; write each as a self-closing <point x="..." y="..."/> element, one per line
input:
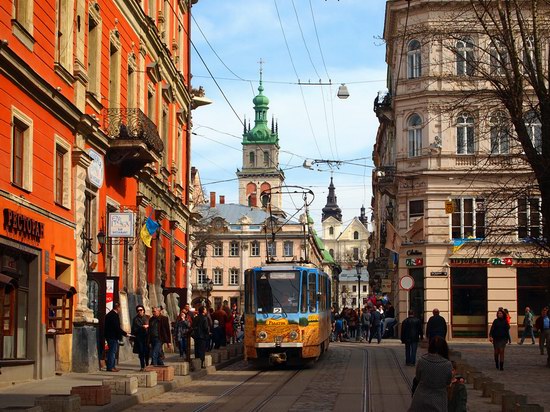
<point x="22" y="225"/>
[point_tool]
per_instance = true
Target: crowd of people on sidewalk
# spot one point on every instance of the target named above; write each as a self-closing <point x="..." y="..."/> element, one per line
<point x="376" y="320"/>
<point x="151" y="334"/>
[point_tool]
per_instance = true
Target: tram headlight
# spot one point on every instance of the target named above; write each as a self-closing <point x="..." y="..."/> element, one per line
<point x="293" y="335"/>
<point x="262" y="335"/>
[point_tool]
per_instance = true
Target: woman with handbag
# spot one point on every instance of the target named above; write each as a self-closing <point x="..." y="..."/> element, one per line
<point x="499" y="335"/>
<point x="140" y="324"/>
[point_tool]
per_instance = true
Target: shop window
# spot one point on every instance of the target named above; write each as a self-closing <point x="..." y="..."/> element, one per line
<point x="7" y="299"/>
<point x="59" y="297"/>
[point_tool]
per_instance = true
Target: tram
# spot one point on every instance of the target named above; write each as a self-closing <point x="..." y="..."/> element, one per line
<point x="287" y="313"/>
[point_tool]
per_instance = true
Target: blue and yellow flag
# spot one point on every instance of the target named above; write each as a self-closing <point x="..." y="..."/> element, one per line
<point x="148" y="230"/>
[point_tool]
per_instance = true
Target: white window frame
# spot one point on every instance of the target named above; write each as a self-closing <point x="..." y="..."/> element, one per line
<point x="94" y="50"/>
<point x="465" y="57"/>
<point x="529" y="217"/>
<point x="67" y="175"/>
<point x="465" y="134"/>
<point x="498" y="59"/>
<point x="413" y="217"/>
<point x="234" y="249"/>
<point x="534" y="129"/>
<point x="65" y="34"/>
<point x="217" y="276"/>
<point x="271" y="249"/>
<point x="414" y="59"/>
<point x="255" y="248"/>
<point x="478" y="206"/>
<point x="499" y="134"/>
<point x="233" y="276"/>
<point x="201" y="276"/>
<point x="288" y="248"/>
<point x="414" y="127"/>
<point x="115" y="57"/>
<point x="217" y="249"/>
<point x="27" y="178"/>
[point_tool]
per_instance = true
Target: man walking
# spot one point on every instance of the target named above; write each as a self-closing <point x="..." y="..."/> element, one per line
<point x="159" y="333"/>
<point x="411" y="334"/>
<point x="375" y="322"/>
<point x="437" y="326"/>
<point x="113" y="334"/>
<point x="543" y="325"/>
<point x="528" y="326"/>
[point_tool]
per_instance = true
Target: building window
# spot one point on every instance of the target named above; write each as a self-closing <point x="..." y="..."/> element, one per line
<point x="234" y="249"/>
<point x="114" y="71"/>
<point x="354" y="289"/>
<point x="94" y="51"/>
<point x="271" y="249"/>
<point x="164" y="136"/>
<point x="251" y="159"/>
<point x="465" y="134"/>
<point x="500" y="133"/>
<point x="365" y="288"/>
<point x="218" y="249"/>
<point x="288" y="248"/>
<point x="24" y="14"/>
<point x="255" y="248"/>
<point x="468" y="220"/>
<point x="416" y="211"/>
<point x="151" y="106"/>
<point x="414" y="60"/>
<point x="65" y="34"/>
<point x="465" y="57"/>
<point x="22" y="149"/>
<point x="356" y="235"/>
<point x="152" y="9"/>
<point x="218" y="276"/>
<point x="331" y="230"/>
<point x="62" y="182"/>
<point x="499" y="59"/>
<point x="534" y="129"/>
<point x="529" y="218"/>
<point x="331" y="251"/>
<point x="132" y="83"/>
<point x="266" y="158"/>
<point x="355" y="253"/>
<point x="233" y="277"/>
<point x="415" y="135"/>
<point x="202" y="251"/>
<point x="201" y="276"/>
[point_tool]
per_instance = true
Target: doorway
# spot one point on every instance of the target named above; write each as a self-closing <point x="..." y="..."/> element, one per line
<point x="469" y="302"/>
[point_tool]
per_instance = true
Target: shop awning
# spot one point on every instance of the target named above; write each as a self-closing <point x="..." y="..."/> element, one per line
<point x="56" y="287"/>
<point x="7" y="282"/>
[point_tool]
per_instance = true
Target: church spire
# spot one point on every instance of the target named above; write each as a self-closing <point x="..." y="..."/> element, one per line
<point x="331" y="208"/>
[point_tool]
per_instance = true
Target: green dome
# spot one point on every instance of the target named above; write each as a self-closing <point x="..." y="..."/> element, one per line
<point x="260" y="99"/>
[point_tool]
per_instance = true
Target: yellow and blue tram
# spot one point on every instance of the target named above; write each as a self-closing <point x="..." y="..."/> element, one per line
<point x="287" y="313"/>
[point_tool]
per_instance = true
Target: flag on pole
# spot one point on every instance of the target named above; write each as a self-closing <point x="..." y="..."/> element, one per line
<point x="416" y="232"/>
<point x="148" y="230"/>
<point x="393" y="240"/>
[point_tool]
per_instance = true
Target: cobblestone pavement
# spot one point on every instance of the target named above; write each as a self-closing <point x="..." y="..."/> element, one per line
<point x="525" y="370"/>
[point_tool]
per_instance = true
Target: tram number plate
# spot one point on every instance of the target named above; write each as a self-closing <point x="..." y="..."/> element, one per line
<point x="277" y="310"/>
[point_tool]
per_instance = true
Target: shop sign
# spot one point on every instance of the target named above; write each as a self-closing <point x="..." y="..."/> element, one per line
<point x="438" y="273"/>
<point x="121" y="224"/>
<point x="110" y="292"/>
<point x="449" y="207"/>
<point x="414" y="252"/>
<point x="22" y="225"/>
<point x="501" y="261"/>
<point x="414" y="262"/>
<point x="96" y="169"/>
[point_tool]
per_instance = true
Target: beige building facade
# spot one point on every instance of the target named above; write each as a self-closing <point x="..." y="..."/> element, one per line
<point x="449" y="202"/>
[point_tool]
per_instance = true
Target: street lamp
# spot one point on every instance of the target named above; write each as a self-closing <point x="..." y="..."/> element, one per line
<point x="208" y="286"/>
<point x="359" y="268"/>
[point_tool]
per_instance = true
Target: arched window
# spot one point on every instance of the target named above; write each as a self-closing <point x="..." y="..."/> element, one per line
<point x="331" y="230"/>
<point x="465" y="134"/>
<point x="251" y="159"/>
<point x="356" y="235"/>
<point x="500" y="134"/>
<point x="266" y="158"/>
<point x="534" y="128"/>
<point x="465" y="57"/>
<point x="499" y="58"/>
<point x="414" y="126"/>
<point x="414" y="60"/>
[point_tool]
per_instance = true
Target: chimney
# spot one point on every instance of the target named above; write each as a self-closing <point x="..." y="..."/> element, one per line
<point x="212" y="199"/>
<point x="222" y="200"/>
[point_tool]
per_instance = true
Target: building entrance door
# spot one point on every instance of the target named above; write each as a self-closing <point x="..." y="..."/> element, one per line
<point x="469" y="302"/>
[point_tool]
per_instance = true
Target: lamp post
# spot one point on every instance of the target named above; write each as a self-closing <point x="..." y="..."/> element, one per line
<point x="359" y="268"/>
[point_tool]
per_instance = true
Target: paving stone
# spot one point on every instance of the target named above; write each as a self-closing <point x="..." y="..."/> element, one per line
<point x="59" y="403"/>
<point x="145" y="379"/>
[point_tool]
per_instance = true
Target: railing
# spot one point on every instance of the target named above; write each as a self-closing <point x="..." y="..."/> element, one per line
<point x="132" y="124"/>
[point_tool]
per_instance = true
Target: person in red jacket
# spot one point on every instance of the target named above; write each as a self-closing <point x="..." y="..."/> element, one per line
<point x="221" y="316"/>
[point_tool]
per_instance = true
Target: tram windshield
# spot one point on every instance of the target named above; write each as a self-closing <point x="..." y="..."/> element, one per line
<point x="277" y="292"/>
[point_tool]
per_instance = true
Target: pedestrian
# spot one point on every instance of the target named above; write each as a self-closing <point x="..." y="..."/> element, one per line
<point x="375" y="322"/>
<point x="437" y="326"/>
<point x="159" y="334"/>
<point x="539" y="326"/>
<point x="140" y="324"/>
<point x="545" y="332"/>
<point x="221" y="316"/>
<point x="217" y="335"/>
<point x="528" y="326"/>
<point x="365" y="324"/>
<point x="201" y="334"/>
<point x="382" y="319"/>
<point x="411" y="334"/>
<point x="389" y="321"/>
<point x="181" y="331"/>
<point x="113" y="334"/>
<point x="434" y="375"/>
<point x="498" y="335"/>
<point x="339" y="328"/>
<point x="458" y="395"/>
<point x="352" y="323"/>
<point x="508" y="320"/>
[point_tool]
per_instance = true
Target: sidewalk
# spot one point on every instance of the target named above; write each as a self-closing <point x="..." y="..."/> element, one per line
<point x="24" y="394"/>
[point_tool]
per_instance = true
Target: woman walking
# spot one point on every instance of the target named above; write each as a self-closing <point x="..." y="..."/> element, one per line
<point x="434" y="375"/>
<point x="201" y="334"/>
<point x="181" y="331"/>
<point x="140" y="324"/>
<point x="498" y="335"/>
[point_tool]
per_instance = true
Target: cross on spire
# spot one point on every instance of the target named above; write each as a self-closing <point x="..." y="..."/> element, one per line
<point x="261" y="62"/>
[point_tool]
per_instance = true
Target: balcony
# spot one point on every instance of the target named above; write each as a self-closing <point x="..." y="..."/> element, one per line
<point x="385" y="178"/>
<point x="134" y="139"/>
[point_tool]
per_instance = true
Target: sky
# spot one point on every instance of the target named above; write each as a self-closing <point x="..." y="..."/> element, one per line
<point x="299" y="41"/>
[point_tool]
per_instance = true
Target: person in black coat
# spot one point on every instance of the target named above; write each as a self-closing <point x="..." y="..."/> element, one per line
<point x="498" y="335"/>
<point x="113" y="334"/>
<point x="201" y="334"/>
<point x="411" y="334"/>
<point x="437" y="326"/>
<point x="139" y="331"/>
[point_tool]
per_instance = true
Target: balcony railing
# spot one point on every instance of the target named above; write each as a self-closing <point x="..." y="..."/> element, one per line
<point x="132" y="124"/>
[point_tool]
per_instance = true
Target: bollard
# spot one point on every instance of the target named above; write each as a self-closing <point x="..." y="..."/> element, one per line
<point x="497" y="395"/>
<point x="478" y="381"/>
<point x="471" y="375"/>
<point x="488" y="386"/>
<point x="509" y="402"/>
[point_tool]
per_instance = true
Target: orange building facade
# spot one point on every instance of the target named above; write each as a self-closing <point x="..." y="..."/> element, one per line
<point x="94" y="139"/>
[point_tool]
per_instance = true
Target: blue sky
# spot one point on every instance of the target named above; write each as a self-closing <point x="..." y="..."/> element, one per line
<point x="313" y="122"/>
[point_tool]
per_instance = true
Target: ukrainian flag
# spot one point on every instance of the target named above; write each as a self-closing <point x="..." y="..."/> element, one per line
<point x="148" y="230"/>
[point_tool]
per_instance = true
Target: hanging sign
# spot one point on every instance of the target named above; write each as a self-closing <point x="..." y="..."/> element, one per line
<point x="96" y="169"/>
<point x="414" y="262"/>
<point x="449" y="207"/>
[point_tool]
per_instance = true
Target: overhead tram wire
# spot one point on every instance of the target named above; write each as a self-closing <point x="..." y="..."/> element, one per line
<point x="297" y="83"/>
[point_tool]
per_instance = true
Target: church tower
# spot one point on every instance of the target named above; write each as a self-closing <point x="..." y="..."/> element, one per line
<point x="331" y="218"/>
<point x="260" y="171"/>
